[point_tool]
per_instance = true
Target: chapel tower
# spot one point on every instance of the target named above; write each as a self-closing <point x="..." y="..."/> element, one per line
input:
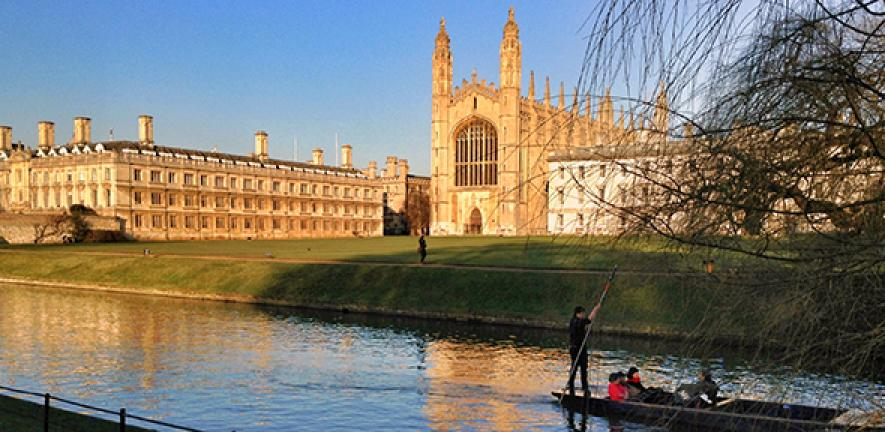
<point x="439" y="157"/>
<point x="509" y="156"/>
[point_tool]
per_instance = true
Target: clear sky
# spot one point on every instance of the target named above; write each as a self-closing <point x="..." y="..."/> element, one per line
<point x="213" y="72"/>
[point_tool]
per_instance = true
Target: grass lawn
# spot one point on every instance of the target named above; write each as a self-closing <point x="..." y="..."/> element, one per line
<point x="17" y="415"/>
<point x="647" y="298"/>
<point x="599" y="253"/>
<point x="639" y="302"/>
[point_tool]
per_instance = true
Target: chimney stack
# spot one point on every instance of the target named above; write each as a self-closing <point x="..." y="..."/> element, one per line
<point x="391" y="167"/>
<point x="5" y="137"/>
<point x="346" y="156"/>
<point x="372" y="172"/>
<point x="317" y="156"/>
<point x="403" y="168"/>
<point x="146" y="130"/>
<point x="45" y="135"/>
<point x="82" y="130"/>
<point x="261" y="145"/>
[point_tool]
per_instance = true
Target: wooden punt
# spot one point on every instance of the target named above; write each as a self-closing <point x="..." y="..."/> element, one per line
<point x="738" y="415"/>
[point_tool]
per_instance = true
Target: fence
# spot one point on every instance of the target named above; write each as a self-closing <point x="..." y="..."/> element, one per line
<point x="123" y="415"/>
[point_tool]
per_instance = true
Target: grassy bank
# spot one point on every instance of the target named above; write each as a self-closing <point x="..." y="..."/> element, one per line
<point x="640" y="302"/>
<point x="17" y="415"/>
<point x="535" y="252"/>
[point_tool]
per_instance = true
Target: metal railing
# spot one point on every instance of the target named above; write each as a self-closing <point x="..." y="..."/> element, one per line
<point x="122" y="414"/>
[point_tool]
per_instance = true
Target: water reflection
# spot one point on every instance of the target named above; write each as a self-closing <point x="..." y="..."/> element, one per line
<point x="225" y="366"/>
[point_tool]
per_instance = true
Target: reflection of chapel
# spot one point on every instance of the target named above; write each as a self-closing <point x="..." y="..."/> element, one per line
<point x="490" y="143"/>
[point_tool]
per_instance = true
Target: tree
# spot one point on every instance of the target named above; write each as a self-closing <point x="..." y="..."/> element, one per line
<point x="52" y="226"/>
<point x="418" y="212"/>
<point x="78" y="226"/>
<point x="779" y="121"/>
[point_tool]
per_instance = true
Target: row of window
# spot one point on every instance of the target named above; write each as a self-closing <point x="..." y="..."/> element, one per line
<point x="581" y="225"/>
<point x="604" y="169"/>
<point x="232" y="182"/>
<point x="247" y="224"/>
<point x="94" y="198"/>
<point x="221" y="202"/>
<point x="68" y="176"/>
<point x="642" y="193"/>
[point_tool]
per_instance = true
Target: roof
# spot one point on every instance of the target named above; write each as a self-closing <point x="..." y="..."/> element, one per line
<point x="119" y="146"/>
<point x="620" y="151"/>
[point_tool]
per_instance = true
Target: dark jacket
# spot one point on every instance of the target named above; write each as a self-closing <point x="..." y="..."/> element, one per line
<point x="577" y="328"/>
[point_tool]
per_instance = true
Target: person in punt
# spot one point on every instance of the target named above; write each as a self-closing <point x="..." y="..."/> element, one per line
<point x="617" y="387"/>
<point x="701" y="394"/>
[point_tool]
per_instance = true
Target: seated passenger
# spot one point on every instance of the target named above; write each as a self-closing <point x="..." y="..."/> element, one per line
<point x="617" y="389"/>
<point x="700" y="394"/>
<point x="634" y="383"/>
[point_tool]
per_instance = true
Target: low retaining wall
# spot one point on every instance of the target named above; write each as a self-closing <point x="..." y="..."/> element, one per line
<point x="25" y="228"/>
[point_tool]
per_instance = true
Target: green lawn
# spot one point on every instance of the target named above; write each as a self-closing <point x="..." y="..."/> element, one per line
<point x="17" y="415"/>
<point x="639" y="302"/>
<point x="535" y="252"/>
<point x="652" y="294"/>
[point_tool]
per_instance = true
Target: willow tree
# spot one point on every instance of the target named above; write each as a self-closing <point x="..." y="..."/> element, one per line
<point x="776" y="121"/>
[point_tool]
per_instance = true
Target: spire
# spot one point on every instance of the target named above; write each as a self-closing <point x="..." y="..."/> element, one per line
<point x="511" y="55"/>
<point x="532" y="85"/>
<point x="561" y="95"/>
<point x="587" y="111"/>
<point x="547" y="91"/>
<point x="621" y="119"/>
<point x="510" y="28"/>
<point x="606" y="112"/>
<point x="662" y="110"/>
<point x="442" y="37"/>
<point x="575" y="101"/>
<point x="442" y="62"/>
<point x="632" y="124"/>
<point x="473" y="76"/>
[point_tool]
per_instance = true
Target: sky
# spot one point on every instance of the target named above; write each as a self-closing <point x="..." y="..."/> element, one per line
<point x="211" y="73"/>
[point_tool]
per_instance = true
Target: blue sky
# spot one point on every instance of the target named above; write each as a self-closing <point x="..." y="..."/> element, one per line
<point x="211" y="73"/>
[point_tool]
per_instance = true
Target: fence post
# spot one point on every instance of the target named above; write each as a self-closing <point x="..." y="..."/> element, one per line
<point x="122" y="419"/>
<point x="46" y="412"/>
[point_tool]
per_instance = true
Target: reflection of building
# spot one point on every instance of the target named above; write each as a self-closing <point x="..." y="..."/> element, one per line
<point x="490" y="143"/>
<point x="495" y="375"/>
<point x="174" y="193"/>
<point x="405" y="198"/>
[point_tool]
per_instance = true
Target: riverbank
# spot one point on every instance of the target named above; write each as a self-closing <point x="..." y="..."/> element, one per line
<point x="644" y="302"/>
<point x="18" y="415"/>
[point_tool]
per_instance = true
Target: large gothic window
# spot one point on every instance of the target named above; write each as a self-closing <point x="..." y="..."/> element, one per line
<point x="476" y="154"/>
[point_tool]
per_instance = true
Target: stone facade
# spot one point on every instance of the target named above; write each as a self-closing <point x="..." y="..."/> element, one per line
<point x="592" y="188"/>
<point x="490" y="143"/>
<point x="166" y="193"/>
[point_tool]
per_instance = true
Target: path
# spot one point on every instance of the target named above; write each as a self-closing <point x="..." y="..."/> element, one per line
<point x="595" y="272"/>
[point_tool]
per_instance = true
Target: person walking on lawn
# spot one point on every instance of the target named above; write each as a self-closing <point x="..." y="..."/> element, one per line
<point x="422" y="248"/>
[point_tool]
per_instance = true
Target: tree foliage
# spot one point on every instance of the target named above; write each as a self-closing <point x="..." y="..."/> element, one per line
<point x="777" y="112"/>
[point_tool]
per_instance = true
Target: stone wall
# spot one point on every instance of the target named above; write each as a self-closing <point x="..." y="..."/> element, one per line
<point x="24" y="228"/>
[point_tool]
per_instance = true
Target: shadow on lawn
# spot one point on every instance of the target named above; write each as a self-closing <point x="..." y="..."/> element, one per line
<point x="536" y="254"/>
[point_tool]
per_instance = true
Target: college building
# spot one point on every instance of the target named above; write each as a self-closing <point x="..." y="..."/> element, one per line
<point x="168" y="193"/>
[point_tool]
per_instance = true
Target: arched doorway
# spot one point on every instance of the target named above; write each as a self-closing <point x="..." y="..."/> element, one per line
<point x="474" y="225"/>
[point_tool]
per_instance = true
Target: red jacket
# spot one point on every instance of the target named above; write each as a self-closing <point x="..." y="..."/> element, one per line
<point x="617" y="392"/>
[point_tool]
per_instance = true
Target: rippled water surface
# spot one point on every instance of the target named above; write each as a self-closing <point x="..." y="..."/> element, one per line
<point x="223" y="367"/>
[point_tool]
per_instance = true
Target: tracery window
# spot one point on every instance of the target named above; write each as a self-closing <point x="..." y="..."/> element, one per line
<point x="476" y="154"/>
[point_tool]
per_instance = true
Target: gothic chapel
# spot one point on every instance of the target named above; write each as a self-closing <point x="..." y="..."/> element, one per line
<point x="490" y="143"/>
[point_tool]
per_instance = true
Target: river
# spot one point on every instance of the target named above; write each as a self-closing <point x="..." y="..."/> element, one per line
<point x="222" y="366"/>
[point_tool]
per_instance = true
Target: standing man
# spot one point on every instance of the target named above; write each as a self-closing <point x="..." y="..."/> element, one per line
<point x="422" y="248"/>
<point x="577" y="329"/>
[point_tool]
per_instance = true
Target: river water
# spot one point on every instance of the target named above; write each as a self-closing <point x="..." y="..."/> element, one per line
<point x="223" y="367"/>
